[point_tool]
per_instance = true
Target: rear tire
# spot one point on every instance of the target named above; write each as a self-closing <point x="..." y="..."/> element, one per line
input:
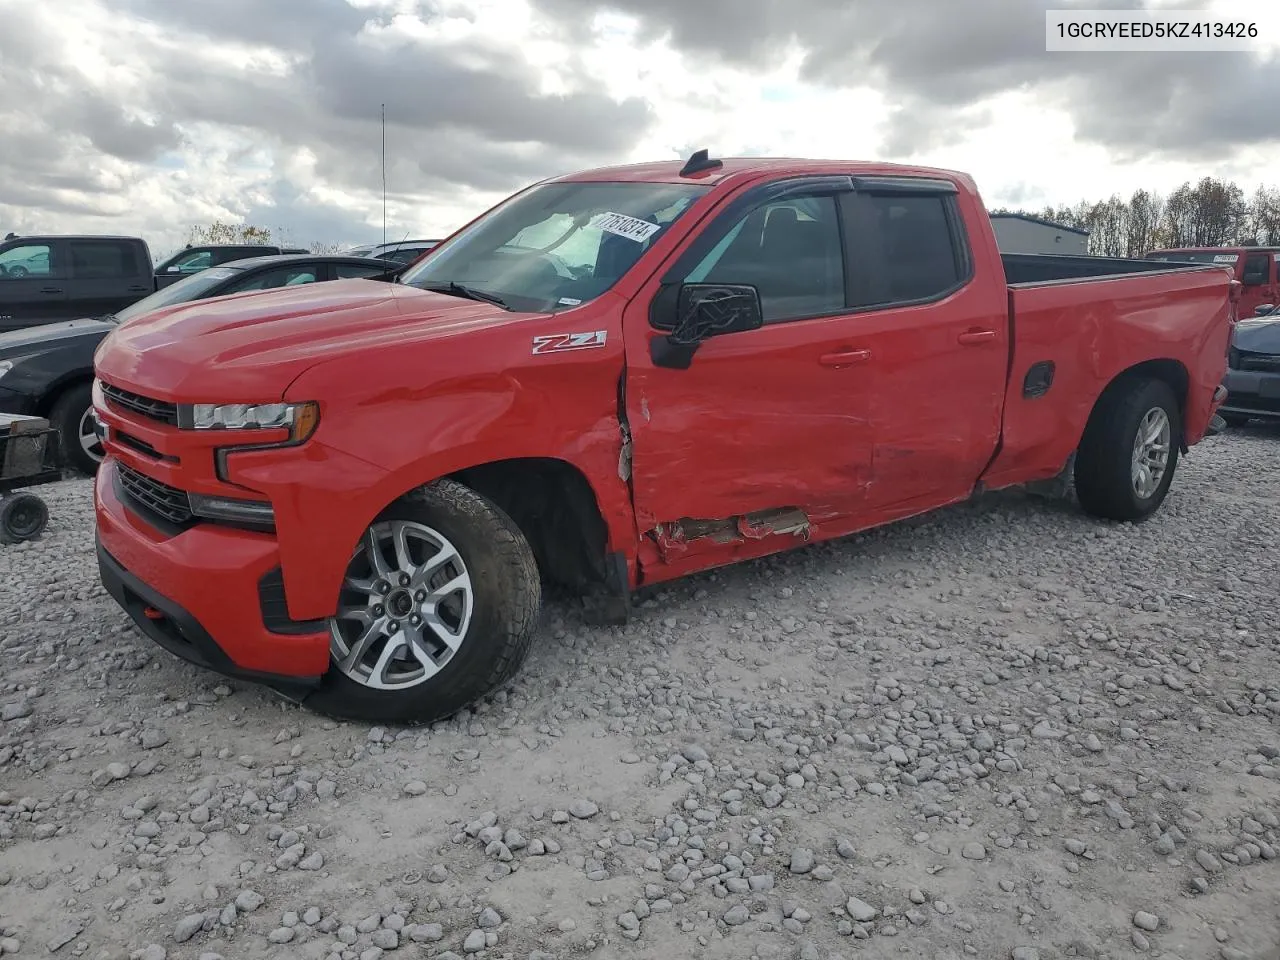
<point x="70" y="414"/>
<point x="1120" y="474"/>
<point x="449" y="648"/>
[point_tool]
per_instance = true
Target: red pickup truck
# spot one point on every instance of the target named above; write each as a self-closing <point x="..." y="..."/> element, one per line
<point x="355" y="491"/>
<point x="1257" y="269"/>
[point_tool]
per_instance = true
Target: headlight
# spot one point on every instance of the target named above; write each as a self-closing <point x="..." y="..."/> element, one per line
<point x="5" y="367"/>
<point x="300" y="419"/>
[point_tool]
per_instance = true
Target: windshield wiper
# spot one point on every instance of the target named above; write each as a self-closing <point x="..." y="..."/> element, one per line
<point x="453" y="288"/>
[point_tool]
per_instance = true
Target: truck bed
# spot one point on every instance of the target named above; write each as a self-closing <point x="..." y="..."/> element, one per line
<point x="1021" y="268"/>
<point x="1078" y="331"/>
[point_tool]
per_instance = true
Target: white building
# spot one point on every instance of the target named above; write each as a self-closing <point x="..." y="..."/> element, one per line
<point x="1020" y="233"/>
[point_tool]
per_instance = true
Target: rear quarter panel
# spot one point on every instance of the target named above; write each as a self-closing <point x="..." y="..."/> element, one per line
<point x="1093" y="331"/>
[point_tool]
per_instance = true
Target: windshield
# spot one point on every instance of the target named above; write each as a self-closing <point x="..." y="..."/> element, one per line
<point x="1194" y="256"/>
<point x="558" y="245"/>
<point x="188" y="288"/>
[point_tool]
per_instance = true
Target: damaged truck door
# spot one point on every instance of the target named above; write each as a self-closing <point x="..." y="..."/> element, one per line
<point x="748" y="371"/>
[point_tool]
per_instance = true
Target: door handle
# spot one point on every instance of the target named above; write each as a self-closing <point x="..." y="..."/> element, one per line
<point x="842" y="358"/>
<point x="50" y="289"/>
<point x="139" y="289"/>
<point x="972" y="337"/>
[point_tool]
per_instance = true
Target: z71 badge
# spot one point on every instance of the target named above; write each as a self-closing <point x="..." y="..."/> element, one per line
<point x="561" y="342"/>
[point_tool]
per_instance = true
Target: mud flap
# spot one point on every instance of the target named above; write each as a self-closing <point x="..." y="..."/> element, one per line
<point x="1057" y="487"/>
<point x="609" y="604"/>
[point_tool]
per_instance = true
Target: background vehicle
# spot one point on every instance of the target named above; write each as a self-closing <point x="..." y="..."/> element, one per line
<point x="1253" y="370"/>
<point x="194" y="259"/>
<point x="46" y="279"/>
<point x="48" y="370"/>
<point x="404" y="251"/>
<point x="1257" y="269"/>
<point x="354" y="492"/>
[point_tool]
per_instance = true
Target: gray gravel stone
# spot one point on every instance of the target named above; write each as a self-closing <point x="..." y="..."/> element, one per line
<point x="860" y="910"/>
<point x="583" y="809"/>
<point x="802" y="860"/>
<point x="1146" y="921"/>
<point x="188" y="927"/>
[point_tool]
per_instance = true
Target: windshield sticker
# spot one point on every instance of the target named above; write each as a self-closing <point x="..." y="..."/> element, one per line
<point x="1226" y="258"/>
<point x="563" y="342"/>
<point x="620" y="225"/>
<point x="568" y="301"/>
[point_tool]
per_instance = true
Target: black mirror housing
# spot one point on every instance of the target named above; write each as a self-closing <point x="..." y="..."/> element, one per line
<point x="1263" y="309"/>
<point x="706" y="310"/>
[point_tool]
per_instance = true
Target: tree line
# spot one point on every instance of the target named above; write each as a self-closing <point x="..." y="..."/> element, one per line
<point x="222" y="232"/>
<point x="1211" y="213"/>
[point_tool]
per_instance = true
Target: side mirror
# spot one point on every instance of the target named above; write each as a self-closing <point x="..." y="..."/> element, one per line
<point x="706" y="310"/>
<point x="1263" y="310"/>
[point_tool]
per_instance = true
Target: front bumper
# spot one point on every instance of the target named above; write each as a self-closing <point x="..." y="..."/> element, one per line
<point x="1253" y="393"/>
<point x="203" y="594"/>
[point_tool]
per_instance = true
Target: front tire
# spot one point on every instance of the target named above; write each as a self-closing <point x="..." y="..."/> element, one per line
<point x="72" y="414"/>
<point x="438" y="609"/>
<point x="1129" y="452"/>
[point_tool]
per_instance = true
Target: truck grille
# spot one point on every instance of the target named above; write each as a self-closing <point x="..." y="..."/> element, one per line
<point x="160" y="410"/>
<point x="1266" y="362"/>
<point x="160" y="498"/>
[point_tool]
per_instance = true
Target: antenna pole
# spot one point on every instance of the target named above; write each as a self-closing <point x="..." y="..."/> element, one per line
<point x="384" y="173"/>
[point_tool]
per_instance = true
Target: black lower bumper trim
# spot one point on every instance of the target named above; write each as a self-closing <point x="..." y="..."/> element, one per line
<point x="179" y="633"/>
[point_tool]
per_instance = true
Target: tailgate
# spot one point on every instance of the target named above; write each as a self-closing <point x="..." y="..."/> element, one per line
<point x="1079" y="335"/>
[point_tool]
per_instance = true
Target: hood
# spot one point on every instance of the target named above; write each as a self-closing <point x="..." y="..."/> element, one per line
<point x="17" y="343"/>
<point x="1258" y="336"/>
<point x="251" y="346"/>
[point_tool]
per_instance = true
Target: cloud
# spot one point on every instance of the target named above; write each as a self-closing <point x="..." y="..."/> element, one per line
<point x="935" y="62"/>
<point x="464" y="114"/>
<point x="147" y="116"/>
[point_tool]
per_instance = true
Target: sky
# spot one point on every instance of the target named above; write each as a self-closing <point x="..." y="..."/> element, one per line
<point x="156" y="115"/>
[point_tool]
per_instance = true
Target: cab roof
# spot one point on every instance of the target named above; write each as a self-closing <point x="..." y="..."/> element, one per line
<point x="670" y="171"/>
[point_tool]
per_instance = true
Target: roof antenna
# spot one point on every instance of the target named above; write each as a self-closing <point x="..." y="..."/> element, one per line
<point x="384" y="173"/>
<point x="699" y="162"/>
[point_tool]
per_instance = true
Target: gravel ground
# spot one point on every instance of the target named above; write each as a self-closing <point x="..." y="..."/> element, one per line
<point x="1005" y="731"/>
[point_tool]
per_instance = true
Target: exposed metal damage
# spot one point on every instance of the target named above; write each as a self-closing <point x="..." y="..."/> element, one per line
<point x="674" y="538"/>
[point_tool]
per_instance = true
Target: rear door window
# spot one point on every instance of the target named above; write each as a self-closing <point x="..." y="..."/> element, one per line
<point x="903" y="249"/>
<point x="272" y="279"/>
<point x="351" y="271"/>
<point x="1257" y="269"/>
<point x="103" y="260"/>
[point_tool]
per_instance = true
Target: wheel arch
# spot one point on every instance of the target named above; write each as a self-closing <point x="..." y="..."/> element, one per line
<point x="556" y="508"/>
<point x="68" y="381"/>
<point x="1164" y="369"/>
